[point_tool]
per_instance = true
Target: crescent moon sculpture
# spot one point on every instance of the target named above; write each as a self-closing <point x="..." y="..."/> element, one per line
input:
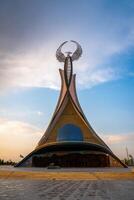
<point x="75" y="56"/>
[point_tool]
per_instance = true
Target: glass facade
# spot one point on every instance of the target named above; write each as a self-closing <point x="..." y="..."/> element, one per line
<point x="70" y="132"/>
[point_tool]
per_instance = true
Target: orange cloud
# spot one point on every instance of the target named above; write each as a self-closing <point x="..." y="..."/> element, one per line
<point x="119" y="142"/>
<point x="112" y="139"/>
<point x="17" y="138"/>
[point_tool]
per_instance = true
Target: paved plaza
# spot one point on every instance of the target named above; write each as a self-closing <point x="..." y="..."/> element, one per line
<point x="66" y="190"/>
<point x="83" y="185"/>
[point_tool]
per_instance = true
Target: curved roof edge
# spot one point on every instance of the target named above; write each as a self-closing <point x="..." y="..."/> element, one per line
<point x="62" y="145"/>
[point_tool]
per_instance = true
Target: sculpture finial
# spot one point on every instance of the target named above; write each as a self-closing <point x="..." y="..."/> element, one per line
<point x="75" y="56"/>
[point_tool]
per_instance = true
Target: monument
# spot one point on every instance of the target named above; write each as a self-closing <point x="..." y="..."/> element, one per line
<point x="69" y="140"/>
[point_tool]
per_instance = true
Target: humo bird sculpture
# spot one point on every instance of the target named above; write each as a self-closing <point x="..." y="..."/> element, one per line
<point x="68" y="69"/>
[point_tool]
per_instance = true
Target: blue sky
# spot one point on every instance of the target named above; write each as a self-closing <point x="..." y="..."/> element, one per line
<point x="30" y="33"/>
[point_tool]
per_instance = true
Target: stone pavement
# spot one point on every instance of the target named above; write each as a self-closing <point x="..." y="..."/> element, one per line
<point x="66" y="189"/>
<point x="66" y="184"/>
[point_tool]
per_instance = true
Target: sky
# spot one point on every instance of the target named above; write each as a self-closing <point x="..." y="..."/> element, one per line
<point x="30" y="33"/>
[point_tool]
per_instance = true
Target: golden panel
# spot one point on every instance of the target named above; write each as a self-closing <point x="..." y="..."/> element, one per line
<point x="70" y="115"/>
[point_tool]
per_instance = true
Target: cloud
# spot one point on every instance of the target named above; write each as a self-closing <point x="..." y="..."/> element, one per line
<point x="38" y="67"/>
<point x="23" y="114"/>
<point x="28" y="60"/>
<point x="94" y="77"/>
<point x="116" y="139"/>
<point x="41" y="70"/>
<point x="28" y="71"/>
<point x="39" y="113"/>
<point x="17" y="137"/>
<point x="119" y="142"/>
<point x="17" y="127"/>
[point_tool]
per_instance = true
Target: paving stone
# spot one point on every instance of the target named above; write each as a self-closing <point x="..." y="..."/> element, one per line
<point x="66" y="190"/>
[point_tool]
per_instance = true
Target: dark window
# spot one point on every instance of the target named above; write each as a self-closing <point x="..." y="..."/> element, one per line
<point x="69" y="132"/>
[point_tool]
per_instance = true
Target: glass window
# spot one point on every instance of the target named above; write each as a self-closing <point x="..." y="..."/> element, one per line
<point x="69" y="132"/>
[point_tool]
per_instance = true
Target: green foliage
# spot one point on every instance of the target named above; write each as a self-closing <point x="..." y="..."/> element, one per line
<point x="9" y="162"/>
<point x="129" y="161"/>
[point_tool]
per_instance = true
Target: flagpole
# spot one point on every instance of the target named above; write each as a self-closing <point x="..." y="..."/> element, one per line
<point x="127" y="153"/>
